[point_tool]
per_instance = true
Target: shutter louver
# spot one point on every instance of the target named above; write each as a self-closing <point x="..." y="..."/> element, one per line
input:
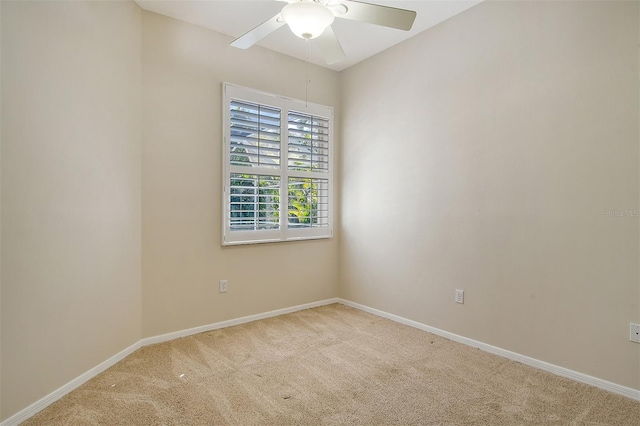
<point x="308" y="147"/>
<point x="255" y="135"/>
<point x="254" y="202"/>
<point x="308" y="201"/>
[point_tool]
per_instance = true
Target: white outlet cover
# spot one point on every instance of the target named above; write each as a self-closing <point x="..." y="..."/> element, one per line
<point x="459" y="296"/>
<point x="634" y="332"/>
<point x="223" y="286"/>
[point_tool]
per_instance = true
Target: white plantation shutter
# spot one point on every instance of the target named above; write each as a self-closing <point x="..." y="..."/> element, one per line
<point x="254" y="202"/>
<point x="307" y="151"/>
<point x="308" y="146"/>
<point x="308" y="203"/>
<point x="277" y="167"/>
<point x="255" y="135"/>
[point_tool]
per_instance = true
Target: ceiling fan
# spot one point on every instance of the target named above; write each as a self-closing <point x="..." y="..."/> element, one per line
<point x="312" y="19"/>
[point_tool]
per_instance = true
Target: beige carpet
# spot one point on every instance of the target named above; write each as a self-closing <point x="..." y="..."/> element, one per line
<point x="326" y="366"/>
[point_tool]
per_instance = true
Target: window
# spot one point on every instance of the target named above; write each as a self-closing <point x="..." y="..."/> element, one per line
<point x="277" y="168"/>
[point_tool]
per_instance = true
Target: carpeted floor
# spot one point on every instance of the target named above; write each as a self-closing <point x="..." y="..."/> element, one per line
<point x="326" y="366"/>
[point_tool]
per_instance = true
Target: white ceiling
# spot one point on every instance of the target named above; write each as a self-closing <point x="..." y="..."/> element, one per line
<point x="359" y="40"/>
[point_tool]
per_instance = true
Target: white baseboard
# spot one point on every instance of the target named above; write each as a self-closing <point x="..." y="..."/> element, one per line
<point x="551" y="368"/>
<point x="39" y="405"/>
<point x="43" y="403"/>
<point x="232" y="322"/>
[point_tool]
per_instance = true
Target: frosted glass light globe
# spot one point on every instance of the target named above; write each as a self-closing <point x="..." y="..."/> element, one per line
<point x="307" y="19"/>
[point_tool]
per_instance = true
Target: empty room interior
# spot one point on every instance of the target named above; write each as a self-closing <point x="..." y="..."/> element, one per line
<point x="435" y="225"/>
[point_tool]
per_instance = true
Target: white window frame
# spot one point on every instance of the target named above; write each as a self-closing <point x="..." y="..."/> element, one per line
<point x="284" y="233"/>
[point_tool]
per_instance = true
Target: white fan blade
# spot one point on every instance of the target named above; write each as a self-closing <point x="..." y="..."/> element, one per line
<point x="330" y="47"/>
<point x="258" y="33"/>
<point x="401" y="19"/>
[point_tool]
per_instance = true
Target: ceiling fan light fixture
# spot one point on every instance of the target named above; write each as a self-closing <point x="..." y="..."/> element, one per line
<point x="307" y="19"/>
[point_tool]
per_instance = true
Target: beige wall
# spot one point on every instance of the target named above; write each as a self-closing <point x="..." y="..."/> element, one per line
<point x="511" y="129"/>
<point x="182" y="257"/>
<point x="482" y="155"/>
<point x="71" y="202"/>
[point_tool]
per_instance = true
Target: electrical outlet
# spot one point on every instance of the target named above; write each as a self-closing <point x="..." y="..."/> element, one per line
<point x="459" y="296"/>
<point x="223" y="286"/>
<point x="634" y="332"/>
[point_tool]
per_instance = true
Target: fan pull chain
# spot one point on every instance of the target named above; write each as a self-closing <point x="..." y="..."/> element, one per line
<point x="306" y="79"/>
